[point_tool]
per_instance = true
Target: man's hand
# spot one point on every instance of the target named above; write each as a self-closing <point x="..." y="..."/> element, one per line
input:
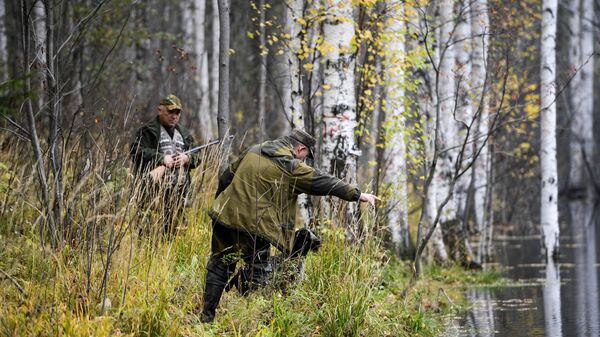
<point x="180" y="159"/>
<point x="368" y="197"/>
<point x="169" y="161"/>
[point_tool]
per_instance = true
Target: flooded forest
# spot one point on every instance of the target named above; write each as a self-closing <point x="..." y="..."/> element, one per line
<point x="299" y="168"/>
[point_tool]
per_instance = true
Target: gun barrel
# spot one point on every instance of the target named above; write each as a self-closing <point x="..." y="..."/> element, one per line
<point x="198" y="148"/>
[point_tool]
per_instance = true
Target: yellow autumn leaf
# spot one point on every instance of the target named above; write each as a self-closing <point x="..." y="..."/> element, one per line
<point x="308" y="66"/>
<point x="301" y="21"/>
<point x="326" y="86"/>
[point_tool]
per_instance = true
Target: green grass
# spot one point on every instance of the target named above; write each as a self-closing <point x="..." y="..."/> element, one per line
<point x="155" y="287"/>
<point x="348" y="290"/>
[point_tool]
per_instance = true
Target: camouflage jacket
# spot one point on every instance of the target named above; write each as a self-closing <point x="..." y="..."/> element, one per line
<point x="144" y="148"/>
<point x="259" y="190"/>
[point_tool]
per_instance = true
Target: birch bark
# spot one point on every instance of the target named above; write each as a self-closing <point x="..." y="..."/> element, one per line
<point x="294" y="29"/>
<point x="395" y="177"/>
<point x="338" y="150"/>
<point x="262" y="72"/>
<point x="480" y="26"/>
<point x="201" y="57"/>
<point x="39" y="40"/>
<point x="447" y="134"/>
<point x="295" y="107"/>
<point x="223" y="112"/>
<point x="214" y="66"/>
<point x="464" y="111"/>
<point x="549" y="195"/>
<point x="429" y="107"/>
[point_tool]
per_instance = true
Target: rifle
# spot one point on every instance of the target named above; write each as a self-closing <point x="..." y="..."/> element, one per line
<point x="157" y="173"/>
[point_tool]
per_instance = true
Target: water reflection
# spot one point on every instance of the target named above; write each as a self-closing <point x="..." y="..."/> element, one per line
<point x="552" y="306"/>
<point x="586" y="273"/>
<point x="544" y="300"/>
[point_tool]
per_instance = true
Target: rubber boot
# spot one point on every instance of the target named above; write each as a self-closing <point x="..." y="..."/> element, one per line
<point x="217" y="275"/>
<point x="212" y="296"/>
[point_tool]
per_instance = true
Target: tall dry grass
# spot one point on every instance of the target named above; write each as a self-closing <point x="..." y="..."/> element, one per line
<point x="106" y="279"/>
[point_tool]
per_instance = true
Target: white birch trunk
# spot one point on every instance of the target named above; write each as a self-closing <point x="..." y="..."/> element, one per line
<point x="339" y="151"/>
<point x="581" y="97"/>
<point x="3" y="39"/>
<point x="39" y="40"/>
<point x="201" y="57"/>
<point x="294" y="28"/>
<point x="395" y="149"/>
<point x="429" y="107"/>
<point x="295" y="108"/>
<point x="465" y="104"/>
<point x="262" y="72"/>
<point x="437" y="241"/>
<point x="480" y="28"/>
<point x="314" y="102"/>
<point x="214" y="66"/>
<point x="447" y="134"/>
<point x="549" y="195"/>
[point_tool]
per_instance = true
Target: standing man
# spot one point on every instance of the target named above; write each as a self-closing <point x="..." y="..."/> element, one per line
<point x="161" y="167"/>
<point x="256" y="207"/>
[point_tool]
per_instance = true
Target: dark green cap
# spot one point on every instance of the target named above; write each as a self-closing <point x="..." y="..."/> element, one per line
<point x="306" y="140"/>
<point x="171" y="102"/>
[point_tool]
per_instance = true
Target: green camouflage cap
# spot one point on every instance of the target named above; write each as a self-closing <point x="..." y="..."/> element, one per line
<point x="306" y="140"/>
<point x="171" y="102"/>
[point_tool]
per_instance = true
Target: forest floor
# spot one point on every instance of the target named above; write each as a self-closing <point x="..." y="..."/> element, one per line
<point x="155" y="290"/>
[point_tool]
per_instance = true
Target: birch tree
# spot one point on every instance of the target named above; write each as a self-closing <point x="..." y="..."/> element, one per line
<point x="223" y="115"/>
<point x="549" y="172"/>
<point x="30" y="114"/>
<point x="214" y="65"/>
<point x="39" y="40"/>
<point x="395" y="178"/>
<point x="338" y="150"/>
<point x="464" y="104"/>
<point x="480" y="27"/>
<point x="51" y="72"/>
<point x="294" y="108"/>
<point x="262" y="72"/>
<point x="294" y="101"/>
<point x="447" y="135"/>
<point x="429" y="105"/>
<point x="201" y="55"/>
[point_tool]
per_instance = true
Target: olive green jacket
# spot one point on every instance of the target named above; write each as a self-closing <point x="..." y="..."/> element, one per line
<point x="258" y="192"/>
<point x="144" y="148"/>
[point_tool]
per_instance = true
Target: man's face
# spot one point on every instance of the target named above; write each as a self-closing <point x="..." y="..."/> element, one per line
<point x="168" y="118"/>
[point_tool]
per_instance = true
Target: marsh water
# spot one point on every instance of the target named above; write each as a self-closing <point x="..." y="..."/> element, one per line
<point x="556" y="299"/>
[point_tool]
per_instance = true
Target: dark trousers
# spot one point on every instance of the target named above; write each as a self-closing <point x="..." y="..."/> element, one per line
<point x="228" y="246"/>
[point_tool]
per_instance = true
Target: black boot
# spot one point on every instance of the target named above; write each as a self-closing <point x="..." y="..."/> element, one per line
<point x="217" y="275"/>
<point x="212" y="296"/>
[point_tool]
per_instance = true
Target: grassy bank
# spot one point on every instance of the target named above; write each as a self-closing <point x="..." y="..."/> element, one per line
<point x="106" y="280"/>
<point x="154" y="290"/>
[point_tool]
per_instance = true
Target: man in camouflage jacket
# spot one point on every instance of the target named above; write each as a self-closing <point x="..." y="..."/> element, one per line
<point x="256" y="206"/>
<point x="161" y="142"/>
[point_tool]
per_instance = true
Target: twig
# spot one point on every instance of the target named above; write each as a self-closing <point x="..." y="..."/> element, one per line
<point x="14" y="281"/>
<point x="441" y="290"/>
